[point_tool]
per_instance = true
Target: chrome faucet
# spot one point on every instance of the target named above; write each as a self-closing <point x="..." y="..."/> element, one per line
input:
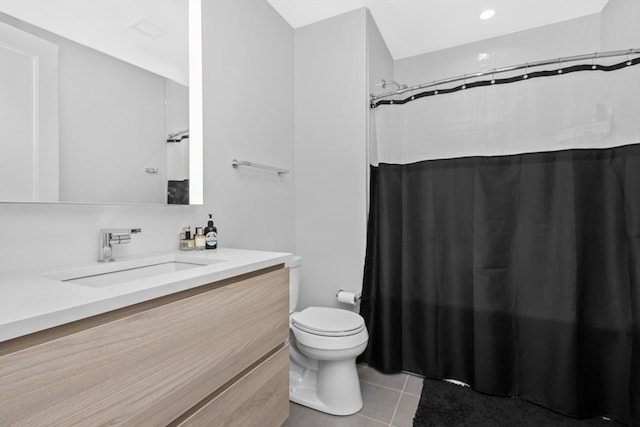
<point x="113" y="236"/>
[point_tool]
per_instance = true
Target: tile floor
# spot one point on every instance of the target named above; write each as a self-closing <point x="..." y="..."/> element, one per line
<point x="389" y="400"/>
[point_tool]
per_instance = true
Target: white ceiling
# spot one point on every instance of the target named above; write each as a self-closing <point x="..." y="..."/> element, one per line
<point x="413" y="27"/>
<point x="409" y="27"/>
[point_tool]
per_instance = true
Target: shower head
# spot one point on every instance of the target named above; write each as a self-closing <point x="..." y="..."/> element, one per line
<point x="384" y="83"/>
<point x="178" y="136"/>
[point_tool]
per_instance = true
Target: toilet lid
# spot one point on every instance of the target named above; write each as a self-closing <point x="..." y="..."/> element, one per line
<point x="327" y="321"/>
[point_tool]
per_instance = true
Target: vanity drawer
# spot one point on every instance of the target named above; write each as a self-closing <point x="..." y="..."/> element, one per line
<point x="148" y="364"/>
<point x="260" y="398"/>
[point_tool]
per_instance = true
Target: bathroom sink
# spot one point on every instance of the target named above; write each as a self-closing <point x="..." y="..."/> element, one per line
<point x="103" y="275"/>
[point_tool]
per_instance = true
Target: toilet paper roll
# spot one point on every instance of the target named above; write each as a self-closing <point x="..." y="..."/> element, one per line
<point x="347" y="297"/>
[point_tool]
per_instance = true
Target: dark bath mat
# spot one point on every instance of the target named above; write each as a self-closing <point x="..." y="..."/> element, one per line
<point x="445" y="404"/>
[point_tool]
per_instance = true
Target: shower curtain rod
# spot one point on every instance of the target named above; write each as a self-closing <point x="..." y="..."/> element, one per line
<point x="464" y="77"/>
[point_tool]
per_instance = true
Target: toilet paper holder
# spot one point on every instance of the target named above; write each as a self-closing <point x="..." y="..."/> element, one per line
<point x="348" y="297"/>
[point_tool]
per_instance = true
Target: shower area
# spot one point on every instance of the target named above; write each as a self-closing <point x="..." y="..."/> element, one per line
<point x="503" y="241"/>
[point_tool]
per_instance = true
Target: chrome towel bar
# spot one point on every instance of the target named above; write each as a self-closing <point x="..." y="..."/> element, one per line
<point x="235" y="163"/>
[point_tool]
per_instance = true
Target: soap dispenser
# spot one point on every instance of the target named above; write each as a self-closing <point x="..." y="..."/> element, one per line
<point x="211" y="234"/>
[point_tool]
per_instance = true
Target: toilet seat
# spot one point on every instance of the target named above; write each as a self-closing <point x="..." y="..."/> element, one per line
<point x="328" y="322"/>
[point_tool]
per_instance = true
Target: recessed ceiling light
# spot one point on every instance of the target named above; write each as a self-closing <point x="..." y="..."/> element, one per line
<point x="487" y="14"/>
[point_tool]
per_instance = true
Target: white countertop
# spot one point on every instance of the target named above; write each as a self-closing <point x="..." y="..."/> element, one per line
<point x="32" y="301"/>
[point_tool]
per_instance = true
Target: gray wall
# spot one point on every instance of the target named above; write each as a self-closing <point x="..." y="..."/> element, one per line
<point x="379" y="67"/>
<point x="330" y="155"/>
<point x="619" y="22"/>
<point x="550" y="41"/>
<point x="248" y="115"/>
<point x="379" y="59"/>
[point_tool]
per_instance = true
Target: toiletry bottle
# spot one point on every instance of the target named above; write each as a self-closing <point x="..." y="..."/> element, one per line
<point x="191" y="244"/>
<point x="184" y="243"/>
<point x="200" y="240"/>
<point x="211" y="234"/>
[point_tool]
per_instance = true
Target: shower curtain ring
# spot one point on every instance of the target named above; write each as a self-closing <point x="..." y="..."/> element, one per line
<point x="559" y="65"/>
<point x="493" y="76"/>
<point x="526" y="71"/>
<point x="435" y="92"/>
<point x="629" y="60"/>
<point x="593" y="61"/>
<point x="464" y="82"/>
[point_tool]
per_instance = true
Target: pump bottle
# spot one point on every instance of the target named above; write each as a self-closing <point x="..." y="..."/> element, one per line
<point x="211" y="234"/>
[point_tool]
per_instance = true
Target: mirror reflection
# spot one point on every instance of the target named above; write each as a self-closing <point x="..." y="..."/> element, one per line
<point x="97" y="101"/>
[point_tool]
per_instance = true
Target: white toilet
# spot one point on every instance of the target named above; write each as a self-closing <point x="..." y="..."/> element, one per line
<point x="323" y="345"/>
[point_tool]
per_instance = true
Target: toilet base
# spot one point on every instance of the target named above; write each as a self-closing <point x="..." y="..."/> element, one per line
<point x="333" y="387"/>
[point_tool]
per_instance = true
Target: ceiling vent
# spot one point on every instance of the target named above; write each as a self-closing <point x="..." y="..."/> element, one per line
<point x="148" y="29"/>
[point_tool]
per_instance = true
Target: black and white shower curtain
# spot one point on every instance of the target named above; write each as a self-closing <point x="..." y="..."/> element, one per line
<point x="504" y="241"/>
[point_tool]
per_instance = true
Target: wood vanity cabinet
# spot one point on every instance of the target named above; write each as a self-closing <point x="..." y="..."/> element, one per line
<point x="210" y="356"/>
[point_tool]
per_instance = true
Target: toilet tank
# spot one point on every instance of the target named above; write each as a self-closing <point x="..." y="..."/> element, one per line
<point x="294" y="282"/>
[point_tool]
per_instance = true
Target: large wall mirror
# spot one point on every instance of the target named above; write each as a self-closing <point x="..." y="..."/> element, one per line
<point x="101" y="101"/>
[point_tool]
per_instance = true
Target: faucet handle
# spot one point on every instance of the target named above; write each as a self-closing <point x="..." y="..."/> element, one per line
<point x="119" y="238"/>
<point x="113" y="236"/>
